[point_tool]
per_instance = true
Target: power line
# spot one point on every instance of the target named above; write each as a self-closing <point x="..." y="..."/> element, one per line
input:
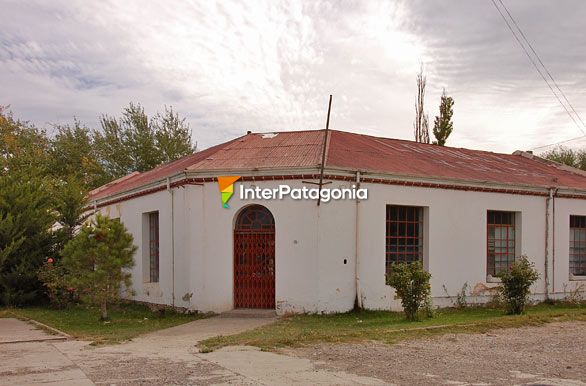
<point x="559" y="143"/>
<point x="542" y="64"/>
<point x="536" y="66"/>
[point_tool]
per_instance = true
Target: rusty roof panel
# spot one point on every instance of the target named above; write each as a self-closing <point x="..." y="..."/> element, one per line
<point x="355" y="151"/>
<point x="302" y="149"/>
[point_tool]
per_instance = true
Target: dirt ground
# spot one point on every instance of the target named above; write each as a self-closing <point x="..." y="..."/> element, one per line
<point x="553" y="354"/>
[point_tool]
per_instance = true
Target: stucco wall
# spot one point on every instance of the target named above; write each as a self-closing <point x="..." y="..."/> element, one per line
<point x="315" y="246"/>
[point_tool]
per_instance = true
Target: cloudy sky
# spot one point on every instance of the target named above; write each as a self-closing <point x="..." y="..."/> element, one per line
<point x="229" y="67"/>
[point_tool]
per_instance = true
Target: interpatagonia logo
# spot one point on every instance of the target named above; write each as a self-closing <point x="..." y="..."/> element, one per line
<point x="226" y="185"/>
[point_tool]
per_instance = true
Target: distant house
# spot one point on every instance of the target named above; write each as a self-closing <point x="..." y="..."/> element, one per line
<point x="465" y="214"/>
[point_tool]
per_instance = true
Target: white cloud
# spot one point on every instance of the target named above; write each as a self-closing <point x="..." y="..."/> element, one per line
<point x="234" y="66"/>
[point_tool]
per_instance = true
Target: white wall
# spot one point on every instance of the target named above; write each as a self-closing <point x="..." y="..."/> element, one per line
<point x="456" y="242"/>
<point x="313" y="242"/>
<point x="561" y="273"/>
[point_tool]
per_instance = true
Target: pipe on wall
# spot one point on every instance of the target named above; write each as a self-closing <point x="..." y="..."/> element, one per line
<point x="549" y="230"/>
<point x="356" y="248"/>
<point x="170" y="190"/>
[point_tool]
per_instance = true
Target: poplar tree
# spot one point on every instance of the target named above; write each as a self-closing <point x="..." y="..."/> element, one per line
<point x="443" y="125"/>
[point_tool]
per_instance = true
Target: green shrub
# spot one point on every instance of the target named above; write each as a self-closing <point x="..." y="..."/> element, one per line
<point x="411" y="284"/>
<point x="52" y="275"/>
<point x="517" y="281"/>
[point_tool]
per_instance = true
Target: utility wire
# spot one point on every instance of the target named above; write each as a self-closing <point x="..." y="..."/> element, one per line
<point x="559" y="143"/>
<point x="542" y="64"/>
<point x="536" y="66"/>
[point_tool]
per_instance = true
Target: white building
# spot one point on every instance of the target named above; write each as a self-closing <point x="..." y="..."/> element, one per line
<point x="465" y="213"/>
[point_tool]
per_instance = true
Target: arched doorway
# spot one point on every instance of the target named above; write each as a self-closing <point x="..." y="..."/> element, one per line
<point x="254" y="258"/>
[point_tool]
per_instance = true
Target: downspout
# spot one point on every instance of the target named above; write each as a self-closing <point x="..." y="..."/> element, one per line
<point x="356" y="249"/>
<point x="553" y="240"/>
<point x="547" y="233"/>
<point x="172" y="241"/>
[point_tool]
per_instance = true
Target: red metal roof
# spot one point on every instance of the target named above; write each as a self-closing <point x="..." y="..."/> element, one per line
<point x="303" y="149"/>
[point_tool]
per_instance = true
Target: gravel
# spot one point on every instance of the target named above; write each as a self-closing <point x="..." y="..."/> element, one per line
<point x="553" y="354"/>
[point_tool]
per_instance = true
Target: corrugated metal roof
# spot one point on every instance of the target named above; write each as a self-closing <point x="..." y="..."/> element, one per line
<point x="302" y="149"/>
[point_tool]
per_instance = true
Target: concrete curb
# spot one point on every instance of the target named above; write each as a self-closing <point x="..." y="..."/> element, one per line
<point x="59" y="335"/>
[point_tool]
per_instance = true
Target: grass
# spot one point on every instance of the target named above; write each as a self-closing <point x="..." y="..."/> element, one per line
<point x="388" y="327"/>
<point x="126" y="321"/>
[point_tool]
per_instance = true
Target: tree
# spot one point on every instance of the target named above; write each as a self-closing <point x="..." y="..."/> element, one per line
<point x="411" y="284"/>
<point x="26" y="210"/>
<point x="73" y="154"/>
<point x="567" y="156"/>
<point x="26" y="239"/>
<point x="135" y="143"/>
<point x="23" y="147"/>
<point x="421" y="124"/>
<point x="98" y="260"/>
<point x="443" y="126"/>
<point x="172" y="135"/>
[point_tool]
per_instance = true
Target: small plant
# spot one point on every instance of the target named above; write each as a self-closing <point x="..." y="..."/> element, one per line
<point x="574" y="296"/>
<point x="52" y="275"/>
<point x="517" y="281"/>
<point x="411" y="284"/>
<point x="461" y="297"/>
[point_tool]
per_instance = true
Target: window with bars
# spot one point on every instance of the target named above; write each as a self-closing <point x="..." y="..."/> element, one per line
<point x="501" y="239"/>
<point x="154" y="247"/>
<point x="404" y="235"/>
<point x="578" y="245"/>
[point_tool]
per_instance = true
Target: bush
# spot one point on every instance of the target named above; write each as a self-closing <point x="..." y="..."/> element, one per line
<point x="52" y="275"/>
<point x="411" y="284"/>
<point x="517" y="281"/>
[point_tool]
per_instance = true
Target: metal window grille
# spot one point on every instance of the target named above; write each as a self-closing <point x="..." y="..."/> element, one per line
<point x="500" y="241"/>
<point x="154" y="247"/>
<point x="578" y="245"/>
<point x="404" y="235"/>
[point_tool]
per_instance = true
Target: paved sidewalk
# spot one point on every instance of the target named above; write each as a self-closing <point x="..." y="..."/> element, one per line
<point x="165" y="357"/>
<point x="27" y="357"/>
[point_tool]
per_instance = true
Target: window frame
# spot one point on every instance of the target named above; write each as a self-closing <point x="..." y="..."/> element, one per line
<point x="153" y="246"/>
<point x="413" y="216"/>
<point x="511" y="243"/>
<point x="572" y="246"/>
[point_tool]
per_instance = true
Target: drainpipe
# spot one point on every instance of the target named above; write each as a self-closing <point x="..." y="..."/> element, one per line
<point x="172" y="242"/>
<point x="547" y="244"/>
<point x="356" y="249"/>
<point x="555" y="191"/>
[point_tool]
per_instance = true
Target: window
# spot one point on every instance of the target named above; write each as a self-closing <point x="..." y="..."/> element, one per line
<point x="404" y="235"/>
<point x="500" y="241"/>
<point x="154" y="247"/>
<point x="578" y="245"/>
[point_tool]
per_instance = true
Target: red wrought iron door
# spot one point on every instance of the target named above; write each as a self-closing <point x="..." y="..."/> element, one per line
<point x="254" y="258"/>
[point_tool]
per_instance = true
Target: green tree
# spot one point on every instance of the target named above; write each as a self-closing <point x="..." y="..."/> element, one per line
<point x="567" y="156"/>
<point x="443" y="125"/>
<point x="73" y="154"/>
<point x="23" y="147"/>
<point x="98" y="260"/>
<point x="136" y="143"/>
<point x="26" y="210"/>
<point x="411" y="284"/>
<point x="26" y="239"/>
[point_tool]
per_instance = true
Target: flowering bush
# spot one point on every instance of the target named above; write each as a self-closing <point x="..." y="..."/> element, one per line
<point x="52" y="275"/>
